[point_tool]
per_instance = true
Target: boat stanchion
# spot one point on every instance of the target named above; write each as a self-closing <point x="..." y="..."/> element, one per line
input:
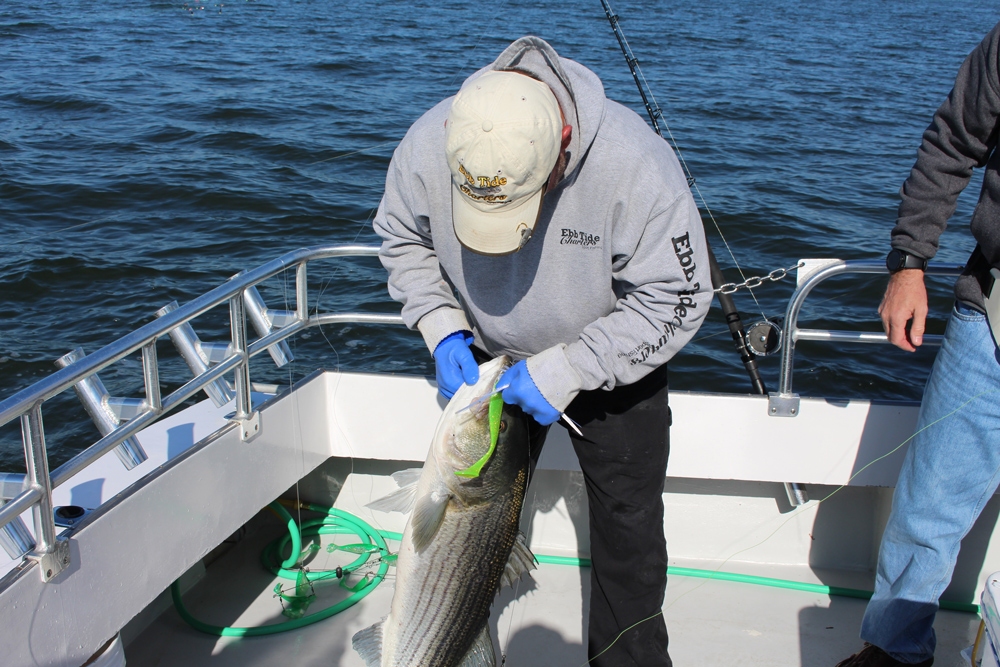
<point x="106" y="411"/>
<point x="50" y="553"/>
<point x="748" y="349"/>
<point x="246" y="417"/>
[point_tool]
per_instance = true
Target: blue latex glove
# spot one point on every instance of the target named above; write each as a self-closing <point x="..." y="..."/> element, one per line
<point x="454" y="363"/>
<point x="523" y="392"/>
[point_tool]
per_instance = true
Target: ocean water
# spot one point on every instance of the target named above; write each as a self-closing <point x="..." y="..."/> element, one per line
<point x="150" y="150"/>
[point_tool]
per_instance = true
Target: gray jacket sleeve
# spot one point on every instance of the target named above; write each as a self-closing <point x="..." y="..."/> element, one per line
<point x="402" y="221"/>
<point x="666" y="292"/>
<point x="961" y="136"/>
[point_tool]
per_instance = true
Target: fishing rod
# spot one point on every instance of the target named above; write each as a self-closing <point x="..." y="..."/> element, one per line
<point x="766" y="334"/>
<point x="726" y="302"/>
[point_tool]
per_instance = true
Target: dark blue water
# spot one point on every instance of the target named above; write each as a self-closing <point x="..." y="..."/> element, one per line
<point x="149" y="150"/>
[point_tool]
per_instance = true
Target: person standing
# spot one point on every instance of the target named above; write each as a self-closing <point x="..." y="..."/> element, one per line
<point x="952" y="467"/>
<point x="530" y="216"/>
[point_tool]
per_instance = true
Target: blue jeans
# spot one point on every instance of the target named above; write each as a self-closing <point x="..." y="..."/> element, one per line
<point x="951" y="469"/>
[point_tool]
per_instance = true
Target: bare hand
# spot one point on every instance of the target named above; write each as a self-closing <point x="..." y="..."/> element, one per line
<point x="905" y="299"/>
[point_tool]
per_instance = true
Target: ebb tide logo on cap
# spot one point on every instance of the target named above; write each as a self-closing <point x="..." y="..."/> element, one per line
<point x="503" y="140"/>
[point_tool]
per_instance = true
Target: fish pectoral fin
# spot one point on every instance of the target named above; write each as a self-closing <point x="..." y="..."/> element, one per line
<point x="402" y="499"/>
<point x="520" y="562"/>
<point x="427" y="517"/>
<point x="368" y="644"/>
<point x="408" y="477"/>
<point x="481" y="654"/>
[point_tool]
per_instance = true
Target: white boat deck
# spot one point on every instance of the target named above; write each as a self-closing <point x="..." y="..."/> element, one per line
<point x="323" y="443"/>
<point x="541" y="623"/>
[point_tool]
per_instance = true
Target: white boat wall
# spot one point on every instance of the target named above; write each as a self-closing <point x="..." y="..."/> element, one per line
<point x="335" y="438"/>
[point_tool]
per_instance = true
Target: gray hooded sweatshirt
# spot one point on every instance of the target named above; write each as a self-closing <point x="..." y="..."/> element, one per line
<point x="615" y="278"/>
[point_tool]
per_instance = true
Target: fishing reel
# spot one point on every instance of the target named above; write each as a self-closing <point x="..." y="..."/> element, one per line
<point x="764" y="337"/>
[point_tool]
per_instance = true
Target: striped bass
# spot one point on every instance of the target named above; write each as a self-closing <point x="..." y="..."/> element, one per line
<point x="461" y="543"/>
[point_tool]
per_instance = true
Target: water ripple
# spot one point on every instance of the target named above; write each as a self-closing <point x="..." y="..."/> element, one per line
<point x="147" y="153"/>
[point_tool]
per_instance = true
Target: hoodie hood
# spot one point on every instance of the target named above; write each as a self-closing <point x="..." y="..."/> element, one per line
<point x="579" y="91"/>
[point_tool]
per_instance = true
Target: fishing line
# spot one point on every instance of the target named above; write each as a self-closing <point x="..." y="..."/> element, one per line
<point x="837" y="490"/>
<point x="620" y="634"/>
<point x="797" y="512"/>
<point x="311" y="575"/>
<point x="329" y="281"/>
<point x="487" y="32"/>
<point x="656" y="114"/>
<point x="332" y="402"/>
<point x="363" y="150"/>
<point x="517" y="582"/>
<point x="293" y="396"/>
<point x="792" y="515"/>
<point x="60" y="231"/>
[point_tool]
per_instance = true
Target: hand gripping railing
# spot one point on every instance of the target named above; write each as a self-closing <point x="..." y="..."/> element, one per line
<point x="785" y="403"/>
<point x="51" y="553"/>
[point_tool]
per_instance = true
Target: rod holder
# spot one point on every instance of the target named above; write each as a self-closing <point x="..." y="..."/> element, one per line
<point x="11" y="485"/>
<point x="199" y="355"/>
<point x="98" y="403"/>
<point x="14" y="538"/>
<point x="265" y="321"/>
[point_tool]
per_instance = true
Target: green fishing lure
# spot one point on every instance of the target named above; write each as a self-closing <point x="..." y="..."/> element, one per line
<point x="496" y="411"/>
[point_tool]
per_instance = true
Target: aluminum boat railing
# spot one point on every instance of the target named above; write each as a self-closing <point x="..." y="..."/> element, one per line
<point x="34" y="490"/>
<point x="52" y="554"/>
<point x="784" y="402"/>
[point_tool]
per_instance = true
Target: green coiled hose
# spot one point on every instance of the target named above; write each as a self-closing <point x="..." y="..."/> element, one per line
<point x="335" y="521"/>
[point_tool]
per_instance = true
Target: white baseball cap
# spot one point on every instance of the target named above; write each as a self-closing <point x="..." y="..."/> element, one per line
<point x="503" y="139"/>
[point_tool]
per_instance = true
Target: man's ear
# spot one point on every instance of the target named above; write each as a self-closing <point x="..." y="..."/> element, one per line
<point x="566" y="134"/>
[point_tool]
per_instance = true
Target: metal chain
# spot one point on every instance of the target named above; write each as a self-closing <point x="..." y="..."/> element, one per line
<point x="757" y="281"/>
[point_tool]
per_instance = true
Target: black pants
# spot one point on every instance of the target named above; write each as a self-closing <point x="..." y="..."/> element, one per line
<point x="623" y="454"/>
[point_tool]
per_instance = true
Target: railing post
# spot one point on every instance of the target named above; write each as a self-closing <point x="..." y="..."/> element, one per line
<point x="51" y="554"/>
<point x="248" y="420"/>
<point x="785" y="403"/>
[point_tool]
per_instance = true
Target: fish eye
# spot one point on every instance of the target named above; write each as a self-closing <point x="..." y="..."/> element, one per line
<point x="503" y="426"/>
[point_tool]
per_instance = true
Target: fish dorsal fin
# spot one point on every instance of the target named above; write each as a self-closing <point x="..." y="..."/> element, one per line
<point x="402" y="499"/>
<point x="368" y="644"/>
<point x="521" y="561"/>
<point x="481" y="654"/>
<point x="427" y="517"/>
